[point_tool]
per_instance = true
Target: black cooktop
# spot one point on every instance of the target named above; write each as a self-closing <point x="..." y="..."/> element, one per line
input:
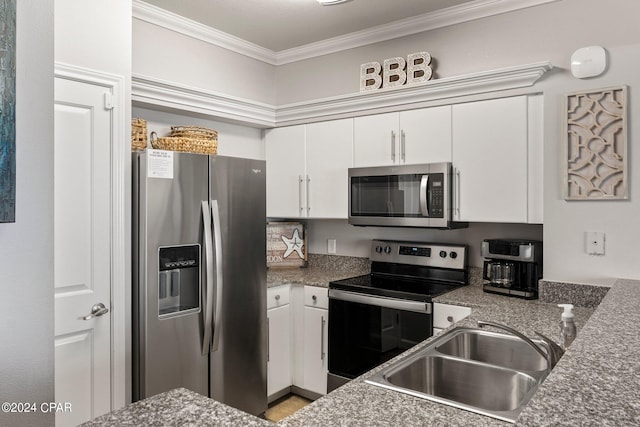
<point x="408" y="288"/>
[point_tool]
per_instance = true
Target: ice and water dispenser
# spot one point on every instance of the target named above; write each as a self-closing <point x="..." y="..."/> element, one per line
<point x="178" y="280"/>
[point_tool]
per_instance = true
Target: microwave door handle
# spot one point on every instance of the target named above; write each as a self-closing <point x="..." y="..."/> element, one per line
<point x="424" y="197"/>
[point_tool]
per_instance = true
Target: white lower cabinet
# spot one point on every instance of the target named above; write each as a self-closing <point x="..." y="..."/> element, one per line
<point x="279" y="359"/>
<point x="445" y="315"/>
<point x="315" y="340"/>
<point x="298" y="326"/>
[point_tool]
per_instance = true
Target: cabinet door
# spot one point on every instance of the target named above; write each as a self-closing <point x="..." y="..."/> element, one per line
<point x="425" y="135"/>
<point x="279" y="360"/>
<point x="329" y="155"/>
<point x="285" y="154"/>
<point x="490" y="157"/>
<point x="376" y="140"/>
<point x="315" y="350"/>
<point x="445" y="315"/>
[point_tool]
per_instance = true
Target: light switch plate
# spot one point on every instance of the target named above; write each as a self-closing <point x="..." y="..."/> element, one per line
<point x="595" y="243"/>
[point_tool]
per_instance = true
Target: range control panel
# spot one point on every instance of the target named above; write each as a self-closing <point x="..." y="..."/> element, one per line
<point x="442" y="255"/>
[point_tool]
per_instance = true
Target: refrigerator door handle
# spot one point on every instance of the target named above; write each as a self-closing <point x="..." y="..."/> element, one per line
<point x="208" y="262"/>
<point x="217" y="243"/>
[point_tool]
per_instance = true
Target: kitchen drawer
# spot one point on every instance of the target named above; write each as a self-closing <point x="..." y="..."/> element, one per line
<point x="278" y="296"/>
<point x="445" y="315"/>
<point x="316" y="297"/>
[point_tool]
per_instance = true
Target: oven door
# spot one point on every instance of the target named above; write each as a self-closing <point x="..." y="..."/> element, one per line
<point x="366" y="331"/>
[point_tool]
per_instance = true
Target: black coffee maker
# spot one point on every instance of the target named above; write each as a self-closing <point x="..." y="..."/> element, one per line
<point x="512" y="267"/>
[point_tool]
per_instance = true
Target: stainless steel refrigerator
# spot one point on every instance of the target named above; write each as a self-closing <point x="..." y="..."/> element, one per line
<point x="199" y="277"/>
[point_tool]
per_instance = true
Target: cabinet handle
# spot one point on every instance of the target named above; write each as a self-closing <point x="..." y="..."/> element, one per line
<point x="393" y="146"/>
<point x="322" y="338"/>
<point x="268" y="341"/>
<point x="278" y="297"/>
<point x="308" y="195"/>
<point x="402" y="146"/>
<point x="457" y="198"/>
<point x="300" y="194"/>
<point x="450" y="319"/>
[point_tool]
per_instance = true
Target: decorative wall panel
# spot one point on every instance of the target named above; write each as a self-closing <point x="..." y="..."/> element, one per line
<point x="596" y="129"/>
<point x="7" y="110"/>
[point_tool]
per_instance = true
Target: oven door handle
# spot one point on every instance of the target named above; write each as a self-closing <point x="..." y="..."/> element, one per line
<point x="393" y="303"/>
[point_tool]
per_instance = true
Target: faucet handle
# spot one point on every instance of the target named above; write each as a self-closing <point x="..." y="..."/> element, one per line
<point x="554" y="350"/>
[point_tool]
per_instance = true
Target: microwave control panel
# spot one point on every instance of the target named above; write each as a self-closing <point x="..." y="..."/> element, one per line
<point x="436" y="195"/>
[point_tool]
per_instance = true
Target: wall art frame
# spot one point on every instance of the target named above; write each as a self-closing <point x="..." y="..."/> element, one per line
<point x="7" y="111"/>
<point x="596" y="152"/>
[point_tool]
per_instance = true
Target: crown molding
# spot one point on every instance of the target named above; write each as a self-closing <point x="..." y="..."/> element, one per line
<point x="429" y="21"/>
<point x="148" y="91"/>
<point x="469" y="84"/>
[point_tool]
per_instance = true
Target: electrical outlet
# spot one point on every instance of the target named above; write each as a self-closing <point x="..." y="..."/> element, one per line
<point x="595" y="243"/>
<point x="331" y="246"/>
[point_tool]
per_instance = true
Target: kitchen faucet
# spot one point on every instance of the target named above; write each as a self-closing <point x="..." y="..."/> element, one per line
<point x="552" y="355"/>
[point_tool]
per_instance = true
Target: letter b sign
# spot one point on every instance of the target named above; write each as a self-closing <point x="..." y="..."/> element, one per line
<point x="396" y="72"/>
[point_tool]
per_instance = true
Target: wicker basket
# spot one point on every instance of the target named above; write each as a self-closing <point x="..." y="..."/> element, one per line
<point x="193" y="132"/>
<point x="185" y="144"/>
<point x="138" y="134"/>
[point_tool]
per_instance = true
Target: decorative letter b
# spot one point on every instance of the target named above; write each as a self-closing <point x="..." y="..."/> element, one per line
<point x="418" y="69"/>
<point x="394" y="74"/>
<point x="370" y="76"/>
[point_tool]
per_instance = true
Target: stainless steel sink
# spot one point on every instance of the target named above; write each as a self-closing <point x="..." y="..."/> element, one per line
<point x="498" y="349"/>
<point x="485" y="372"/>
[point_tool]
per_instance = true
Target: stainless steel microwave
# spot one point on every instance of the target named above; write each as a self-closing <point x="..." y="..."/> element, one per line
<point x="402" y="196"/>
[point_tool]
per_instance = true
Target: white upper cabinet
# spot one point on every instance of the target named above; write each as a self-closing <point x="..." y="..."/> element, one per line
<point x="490" y="157"/>
<point x="407" y="137"/>
<point x="495" y="147"/>
<point x="307" y="169"/>
<point x="285" y="154"/>
<point x="329" y="156"/>
<point x="425" y="135"/>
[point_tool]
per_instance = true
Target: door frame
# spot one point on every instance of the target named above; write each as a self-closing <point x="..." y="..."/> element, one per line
<point x="120" y="247"/>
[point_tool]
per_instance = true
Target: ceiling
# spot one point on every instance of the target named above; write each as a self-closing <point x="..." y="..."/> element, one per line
<point x="279" y="25"/>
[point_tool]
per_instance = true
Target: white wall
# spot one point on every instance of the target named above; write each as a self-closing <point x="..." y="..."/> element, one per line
<point x="567" y="221"/>
<point x="233" y="140"/>
<point x="356" y="241"/>
<point x="174" y="57"/>
<point x="26" y="246"/>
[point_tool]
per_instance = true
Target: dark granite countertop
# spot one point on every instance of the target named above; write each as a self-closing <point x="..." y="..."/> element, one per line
<point x="322" y="270"/>
<point x="179" y="407"/>
<point x="595" y="383"/>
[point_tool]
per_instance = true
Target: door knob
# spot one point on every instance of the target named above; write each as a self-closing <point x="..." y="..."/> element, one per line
<point x="97" y="310"/>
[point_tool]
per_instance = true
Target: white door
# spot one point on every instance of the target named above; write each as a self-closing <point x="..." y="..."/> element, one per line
<point x="490" y="155"/>
<point x="82" y="250"/>
<point x="279" y="361"/>
<point x="375" y="140"/>
<point x="329" y="156"/>
<point x="286" y="177"/>
<point x="315" y="350"/>
<point x="425" y="135"/>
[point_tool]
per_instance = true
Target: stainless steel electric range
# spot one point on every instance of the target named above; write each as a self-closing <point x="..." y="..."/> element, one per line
<point x="374" y="317"/>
